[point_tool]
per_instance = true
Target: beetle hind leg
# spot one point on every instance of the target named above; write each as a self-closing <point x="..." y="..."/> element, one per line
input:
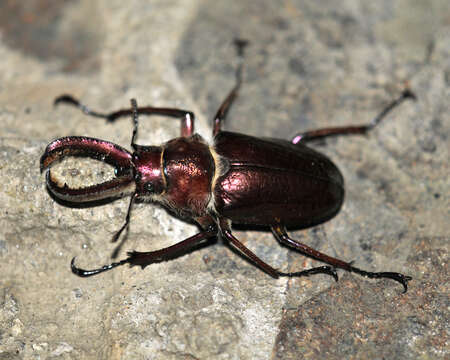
<point x="282" y="236"/>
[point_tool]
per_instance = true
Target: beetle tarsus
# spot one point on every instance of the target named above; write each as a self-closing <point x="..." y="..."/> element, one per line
<point x="241" y="44"/>
<point x="85" y="273"/>
<point x="70" y="100"/>
<point x="402" y="279"/>
<point x="281" y="235"/>
<point x="328" y="270"/>
<point x="409" y="94"/>
<point x="66" y="98"/>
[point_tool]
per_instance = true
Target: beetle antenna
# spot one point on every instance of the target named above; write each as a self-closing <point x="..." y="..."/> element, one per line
<point x="133" y="145"/>
<point x="124" y="226"/>
<point x="135" y="122"/>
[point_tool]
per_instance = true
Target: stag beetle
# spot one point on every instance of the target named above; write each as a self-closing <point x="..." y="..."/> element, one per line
<point x="238" y="179"/>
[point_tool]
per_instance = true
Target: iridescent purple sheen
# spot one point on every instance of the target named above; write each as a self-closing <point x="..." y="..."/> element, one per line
<point x="106" y="151"/>
<point x="147" y="161"/>
<point x="270" y="181"/>
<point x="117" y="187"/>
<point x="93" y="148"/>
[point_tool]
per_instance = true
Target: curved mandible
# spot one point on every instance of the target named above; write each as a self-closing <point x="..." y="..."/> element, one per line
<point x="105" y="151"/>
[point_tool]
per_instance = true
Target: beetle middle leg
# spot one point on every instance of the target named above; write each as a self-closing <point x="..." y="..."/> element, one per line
<point x="236" y="244"/>
<point x="282" y="236"/>
<point x="351" y="130"/>
<point x="225" y="106"/>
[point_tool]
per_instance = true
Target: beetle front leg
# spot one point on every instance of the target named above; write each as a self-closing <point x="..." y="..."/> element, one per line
<point x="144" y="259"/>
<point x="226" y="231"/>
<point x="352" y="130"/>
<point x="282" y="236"/>
<point x="186" y="117"/>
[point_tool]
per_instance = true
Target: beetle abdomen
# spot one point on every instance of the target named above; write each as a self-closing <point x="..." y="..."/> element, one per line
<point x="272" y="181"/>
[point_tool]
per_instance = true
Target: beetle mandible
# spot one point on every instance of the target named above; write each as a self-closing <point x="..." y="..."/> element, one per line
<point x="239" y="179"/>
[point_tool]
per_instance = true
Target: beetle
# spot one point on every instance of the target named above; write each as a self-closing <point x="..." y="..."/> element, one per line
<point x="238" y="179"/>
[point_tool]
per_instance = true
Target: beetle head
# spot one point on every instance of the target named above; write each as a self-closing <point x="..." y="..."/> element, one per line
<point x="149" y="173"/>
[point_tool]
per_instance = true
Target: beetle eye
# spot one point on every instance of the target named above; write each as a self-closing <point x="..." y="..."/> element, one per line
<point x="149" y="187"/>
<point x="119" y="171"/>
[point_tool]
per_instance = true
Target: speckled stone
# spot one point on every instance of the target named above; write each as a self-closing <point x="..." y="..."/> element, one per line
<point x="309" y="65"/>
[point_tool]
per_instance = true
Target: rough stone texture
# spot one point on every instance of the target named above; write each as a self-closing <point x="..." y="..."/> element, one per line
<point x="310" y="65"/>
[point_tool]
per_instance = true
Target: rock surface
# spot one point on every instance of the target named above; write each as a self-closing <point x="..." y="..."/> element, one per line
<point x="310" y="65"/>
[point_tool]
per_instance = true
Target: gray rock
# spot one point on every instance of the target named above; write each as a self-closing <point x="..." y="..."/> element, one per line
<point x="310" y="65"/>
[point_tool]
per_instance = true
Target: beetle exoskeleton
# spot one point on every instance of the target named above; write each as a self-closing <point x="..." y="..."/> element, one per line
<point x="238" y="179"/>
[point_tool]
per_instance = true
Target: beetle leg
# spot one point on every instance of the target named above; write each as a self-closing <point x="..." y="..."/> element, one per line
<point x="350" y="130"/>
<point x="223" y="109"/>
<point x="146" y="258"/>
<point x="187" y="117"/>
<point x="282" y="236"/>
<point x="135" y="123"/>
<point x="226" y="231"/>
